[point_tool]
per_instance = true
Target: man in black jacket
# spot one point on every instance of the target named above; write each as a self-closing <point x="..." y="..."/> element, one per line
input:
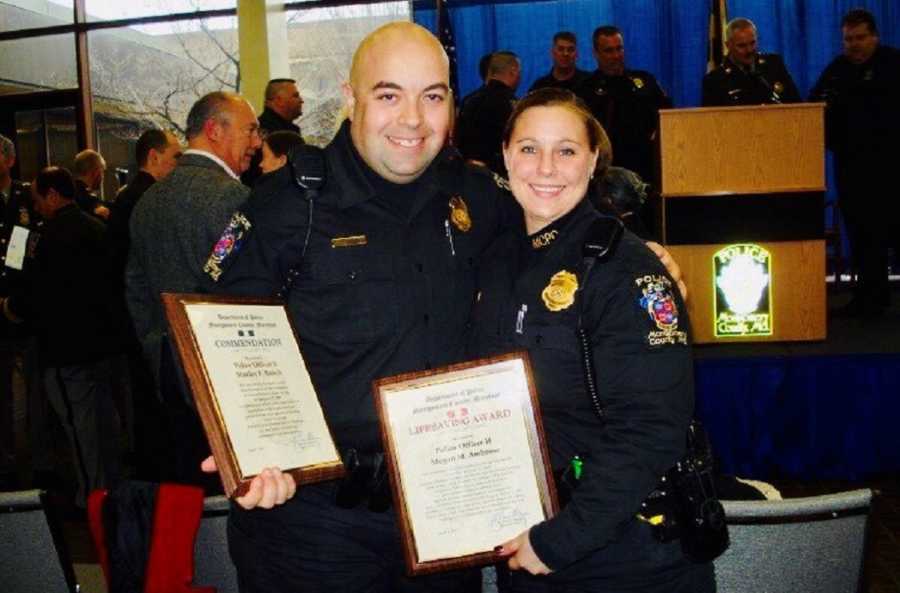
<point x="626" y="102"/>
<point x="483" y="114"/>
<point x="66" y="295"/>
<point x="283" y="105"/>
<point x="565" y="74"/>
<point x="862" y="123"/>
<point x="156" y="153"/>
<point x="747" y="77"/>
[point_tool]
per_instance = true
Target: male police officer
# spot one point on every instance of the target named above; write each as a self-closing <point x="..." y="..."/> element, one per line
<point x="862" y="123"/>
<point x="626" y="102"/>
<point x="383" y="285"/>
<point x="483" y="113"/>
<point x="747" y="77"/>
<point x="564" y="74"/>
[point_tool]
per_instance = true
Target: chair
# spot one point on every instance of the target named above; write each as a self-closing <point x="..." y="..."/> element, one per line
<point x="212" y="564"/>
<point x="33" y="556"/>
<point x="151" y="543"/>
<point x="801" y="544"/>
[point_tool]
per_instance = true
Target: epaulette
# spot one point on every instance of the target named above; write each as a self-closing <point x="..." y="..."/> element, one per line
<point x="602" y="238"/>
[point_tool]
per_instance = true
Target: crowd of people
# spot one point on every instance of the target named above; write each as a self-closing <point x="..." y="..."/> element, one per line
<point x="452" y="260"/>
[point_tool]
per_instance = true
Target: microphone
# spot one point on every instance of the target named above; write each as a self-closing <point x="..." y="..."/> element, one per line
<point x="776" y="98"/>
<point x="307" y="168"/>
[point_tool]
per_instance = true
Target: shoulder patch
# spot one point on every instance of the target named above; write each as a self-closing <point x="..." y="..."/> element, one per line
<point x="658" y="301"/>
<point x="228" y="243"/>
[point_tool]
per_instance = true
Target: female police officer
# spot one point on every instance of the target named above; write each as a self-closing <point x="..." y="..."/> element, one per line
<point x="534" y="291"/>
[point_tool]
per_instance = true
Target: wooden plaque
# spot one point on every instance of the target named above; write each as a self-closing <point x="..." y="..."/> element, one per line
<point x="251" y="388"/>
<point x="467" y="458"/>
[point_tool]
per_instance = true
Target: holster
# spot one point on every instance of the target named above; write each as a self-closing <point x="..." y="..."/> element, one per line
<point x="366" y="481"/>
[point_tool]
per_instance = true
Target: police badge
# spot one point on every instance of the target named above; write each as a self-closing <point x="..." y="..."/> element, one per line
<point x="560" y="293"/>
<point x="778" y="87"/>
<point x="459" y="214"/>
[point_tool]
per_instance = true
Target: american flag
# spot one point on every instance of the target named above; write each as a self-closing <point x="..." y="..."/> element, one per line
<point x="718" y="18"/>
<point x="445" y="34"/>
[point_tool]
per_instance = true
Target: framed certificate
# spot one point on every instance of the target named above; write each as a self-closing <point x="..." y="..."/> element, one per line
<point x="251" y="387"/>
<point x="468" y="463"/>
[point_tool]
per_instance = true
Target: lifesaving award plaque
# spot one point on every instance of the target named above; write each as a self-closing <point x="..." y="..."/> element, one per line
<point x="251" y="387"/>
<point x="467" y="459"/>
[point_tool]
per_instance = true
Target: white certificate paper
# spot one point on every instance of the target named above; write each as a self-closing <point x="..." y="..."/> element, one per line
<point x="262" y="388"/>
<point x="462" y="442"/>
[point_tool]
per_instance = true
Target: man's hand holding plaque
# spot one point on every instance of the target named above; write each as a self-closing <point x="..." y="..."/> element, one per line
<point x="253" y="394"/>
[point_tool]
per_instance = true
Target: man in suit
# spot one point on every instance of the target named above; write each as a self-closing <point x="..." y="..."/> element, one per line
<point x="173" y="228"/>
<point x="747" y="77"/>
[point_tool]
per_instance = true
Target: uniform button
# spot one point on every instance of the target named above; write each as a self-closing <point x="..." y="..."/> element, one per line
<point x="426" y="318"/>
<point x="352" y="275"/>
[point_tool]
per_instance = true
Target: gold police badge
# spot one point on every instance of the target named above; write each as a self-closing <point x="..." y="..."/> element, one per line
<point x="560" y="293"/>
<point x="638" y="83"/>
<point x="778" y="87"/>
<point x="459" y="214"/>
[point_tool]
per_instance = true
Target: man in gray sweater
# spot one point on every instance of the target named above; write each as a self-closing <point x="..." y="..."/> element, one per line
<point x="173" y="228"/>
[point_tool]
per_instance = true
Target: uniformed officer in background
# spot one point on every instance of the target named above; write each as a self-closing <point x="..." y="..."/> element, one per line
<point x="747" y="77"/>
<point x="16" y="210"/>
<point x="862" y="123"/>
<point x="626" y="102"/>
<point x="483" y="113"/>
<point x="565" y="74"/>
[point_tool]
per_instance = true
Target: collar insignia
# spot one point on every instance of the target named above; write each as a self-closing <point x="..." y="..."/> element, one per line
<point x="560" y="293"/>
<point x="658" y="301"/>
<point x="638" y="83"/>
<point x="459" y="214"/>
<point x="761" y="60"/>
<point x="230" y="241"/>
<point x="544" y="239"/>
<point x="501" y="182"/>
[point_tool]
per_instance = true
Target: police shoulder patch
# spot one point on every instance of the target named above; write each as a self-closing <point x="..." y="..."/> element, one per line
<point x="658" y="301"/>
<point x="228" y="243"/>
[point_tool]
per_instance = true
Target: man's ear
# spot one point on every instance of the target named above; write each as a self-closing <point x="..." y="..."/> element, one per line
<point x="349" y="99"/>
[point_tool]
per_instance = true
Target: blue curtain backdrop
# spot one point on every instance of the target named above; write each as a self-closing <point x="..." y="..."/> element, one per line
<point x="666" y="37"/>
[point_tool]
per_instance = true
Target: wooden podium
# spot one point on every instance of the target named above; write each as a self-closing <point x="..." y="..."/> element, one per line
<point x="743" y="192"/>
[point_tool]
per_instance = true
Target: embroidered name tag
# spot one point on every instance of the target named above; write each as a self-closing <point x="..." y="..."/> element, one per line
<point x="351" y="241"/>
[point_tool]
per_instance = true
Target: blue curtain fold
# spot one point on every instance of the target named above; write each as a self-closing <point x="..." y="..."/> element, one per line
<point x="825" y="417"/>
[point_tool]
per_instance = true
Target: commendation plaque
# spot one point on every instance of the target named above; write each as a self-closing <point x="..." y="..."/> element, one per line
<point x="468" y="464"/>
<point x="251" y="387"/>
